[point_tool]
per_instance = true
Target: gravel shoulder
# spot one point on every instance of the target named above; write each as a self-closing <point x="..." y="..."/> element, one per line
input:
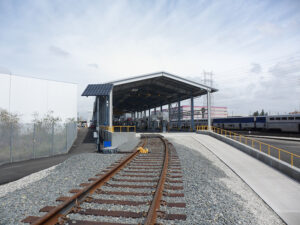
<point x="27" y="196"/>
<point x="213" y="192"/>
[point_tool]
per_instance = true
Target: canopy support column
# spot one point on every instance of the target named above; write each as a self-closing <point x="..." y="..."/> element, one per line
<point x="178" y="114"/>
<point x="192" y="114"/>
<point x="110" y="118"/>
<point x="98" y="123"/>
<point x="106" y="107"/>
<point x="169" y="112"/>
<point x="149" y="117"/>
<point x="208" y="110"/>
<point x="98" y="110"/>
<point x="102" y="110"/>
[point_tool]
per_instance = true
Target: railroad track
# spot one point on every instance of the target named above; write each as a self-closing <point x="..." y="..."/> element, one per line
<point x="137" y="180"/>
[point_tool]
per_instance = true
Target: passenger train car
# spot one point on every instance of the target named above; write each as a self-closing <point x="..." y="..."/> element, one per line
<point x="240" y="123"/>
<point x="284" y="123"/>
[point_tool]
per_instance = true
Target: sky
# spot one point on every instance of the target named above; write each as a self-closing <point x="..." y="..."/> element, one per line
<point x="251" y="47"/>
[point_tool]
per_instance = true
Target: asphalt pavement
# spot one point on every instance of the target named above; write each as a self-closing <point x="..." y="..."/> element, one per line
<point x="291" y="146"/>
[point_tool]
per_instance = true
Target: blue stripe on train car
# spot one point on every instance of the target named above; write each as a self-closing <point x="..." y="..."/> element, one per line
<point x="234" y="120"/>
<point x="261" y="119"/>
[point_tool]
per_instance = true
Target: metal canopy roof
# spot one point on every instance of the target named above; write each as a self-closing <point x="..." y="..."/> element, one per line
<point x="150" y="91"/>
<point x="97" y="89"/>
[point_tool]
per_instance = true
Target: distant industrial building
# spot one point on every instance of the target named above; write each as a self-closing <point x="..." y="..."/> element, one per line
<point x="295" y="112"/>
<point x="200" y="112"/>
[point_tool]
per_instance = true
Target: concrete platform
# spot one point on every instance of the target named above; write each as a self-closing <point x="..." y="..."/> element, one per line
<point x="280" y="192"/>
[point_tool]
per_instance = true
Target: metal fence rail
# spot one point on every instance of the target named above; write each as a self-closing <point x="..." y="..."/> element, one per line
<point x="20" y="142"/>
<point x="271" y="150"/>
<point x="119" y="128"/>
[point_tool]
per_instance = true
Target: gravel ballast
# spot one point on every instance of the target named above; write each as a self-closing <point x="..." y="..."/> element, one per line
<point x="41" y="189"/>
<point x="213" y="192"/>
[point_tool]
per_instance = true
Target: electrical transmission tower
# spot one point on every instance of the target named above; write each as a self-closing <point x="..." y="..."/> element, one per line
<point x="207" y="80"/>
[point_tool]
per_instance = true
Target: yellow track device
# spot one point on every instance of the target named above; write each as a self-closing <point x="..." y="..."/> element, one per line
<point x="143" y="150"/>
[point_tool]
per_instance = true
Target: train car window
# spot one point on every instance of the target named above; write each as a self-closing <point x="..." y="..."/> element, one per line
<point x="284" y="118"/>
<point x="277" y="118"/>
<point x="291" y="118"/>
<point x="271" y="118"/>
<point x="297" y="118"/>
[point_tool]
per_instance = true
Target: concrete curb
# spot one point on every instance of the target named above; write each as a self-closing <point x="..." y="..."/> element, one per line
<point x="117" y="138"/>
<point x="279" y="165"/>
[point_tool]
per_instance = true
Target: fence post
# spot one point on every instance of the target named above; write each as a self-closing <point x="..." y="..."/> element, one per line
<point x="66" y="137"/>
<point x="33" y="141"/>
<point x="52" y="143"/>
<point x="259" y="146"/>
<point x="10" y="142"/>
<point x="73" y="132"/>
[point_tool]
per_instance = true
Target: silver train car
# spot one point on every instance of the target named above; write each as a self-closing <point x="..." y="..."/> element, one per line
<point x="282" y="123"/>
<point x="285" y="123"/>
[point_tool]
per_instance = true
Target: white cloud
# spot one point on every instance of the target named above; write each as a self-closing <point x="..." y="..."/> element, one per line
<point x="269" y="29"/>
<point x="256" y="68"/>
<point x="58" y="51"/>
<point x="128" y="38"/>
<point x="93" y="65"/>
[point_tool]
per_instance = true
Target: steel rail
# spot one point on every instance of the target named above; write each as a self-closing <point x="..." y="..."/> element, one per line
<point x="53" y="216"/>
<point x="155" y="205"/>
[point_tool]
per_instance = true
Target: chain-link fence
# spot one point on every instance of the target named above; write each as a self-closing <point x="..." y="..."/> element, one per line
<point x="20" y="142"/>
